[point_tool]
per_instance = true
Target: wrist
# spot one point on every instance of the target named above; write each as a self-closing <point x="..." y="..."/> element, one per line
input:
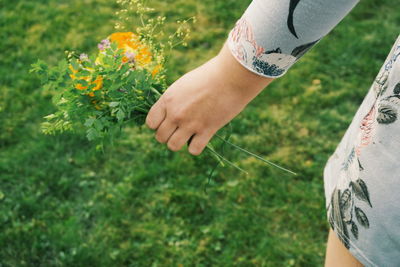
<point x="238" y="77"/>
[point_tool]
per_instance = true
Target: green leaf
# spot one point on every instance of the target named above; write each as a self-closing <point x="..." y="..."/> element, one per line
<point x="74" y="64"/>
<point x="63" y="66"/>
<point x="115" y="86"/>
<point x="131" y="77"/>
<point x="50" y="116"/>
<point x="84" y="73"/>
<point x="120" y="115"/>
<point x="92" y="134"/>
<point x="89" y="122"/>
<point x="108" y="61"/>
<point x="114" y="46"/>
<point x="35" y="68"/>
<point x="114" y="104"/>
<point x="83" y="82"/>
<point x="98" y="125"/>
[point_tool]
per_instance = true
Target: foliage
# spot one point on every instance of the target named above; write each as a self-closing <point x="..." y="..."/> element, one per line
<point x="101" y="94"/>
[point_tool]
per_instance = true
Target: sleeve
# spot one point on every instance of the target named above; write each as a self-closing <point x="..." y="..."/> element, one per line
<point x="273" y="34"/>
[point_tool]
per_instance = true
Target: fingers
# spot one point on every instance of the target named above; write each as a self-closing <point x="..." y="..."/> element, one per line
<point x="171" y="131"/>
<point x="179" y="139"/>
<point x="165" y="131"/>
<point x="156" y="115"/>
<point x="199" y="142"/>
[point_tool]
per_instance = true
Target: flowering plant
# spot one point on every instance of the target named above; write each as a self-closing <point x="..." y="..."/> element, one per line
<point x="116" y="86"/>
<point x="104" y="92"/>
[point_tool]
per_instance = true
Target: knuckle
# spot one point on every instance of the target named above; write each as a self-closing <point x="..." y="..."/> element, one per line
<point x="178" y="117"/>
<point x="197" y="126"/>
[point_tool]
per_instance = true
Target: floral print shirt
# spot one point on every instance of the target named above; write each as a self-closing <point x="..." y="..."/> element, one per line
<point x="362" y="177"/>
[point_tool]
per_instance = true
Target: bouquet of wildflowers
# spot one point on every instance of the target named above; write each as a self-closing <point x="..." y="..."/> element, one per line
<point x="119" y="84"/>
<point x="104" y="92"/>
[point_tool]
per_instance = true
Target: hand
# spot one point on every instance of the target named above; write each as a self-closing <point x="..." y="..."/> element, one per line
<point x="202" y="101"/>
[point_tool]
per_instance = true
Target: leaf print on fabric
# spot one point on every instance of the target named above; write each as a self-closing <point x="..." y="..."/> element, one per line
<point x="387" y="113"/>
<point x="396" y="89"/>
<point x="273" y="64"/>
<point x="277" y="50"/>
<point x="349" y="160"/>
<point x="341" y="210"/>
<point x="345" y="203"/>
<point x="380" y="84"/>
<point x="361" y="217"/>
<point x="360" y="167"/>
<point x="354" y="229"/>
<point x="246" y="50"/>
<point x="338" y="218"/>
<point x="265" y="68"/>
<point x="299" y="51"/>
<point x="331" y="217"/>
<point x="243" y="42"/>
<point x="361" y="191"/>
<point x="345" y="199"/>
<point x="292" y="6"/>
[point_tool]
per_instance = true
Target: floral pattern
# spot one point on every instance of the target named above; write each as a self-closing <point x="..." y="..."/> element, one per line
<point x="344" y="211"/>
<point x="246" y="50"/>
<point x="272" y="63"/>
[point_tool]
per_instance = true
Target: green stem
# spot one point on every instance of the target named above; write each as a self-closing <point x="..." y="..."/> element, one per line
<point x="256" y="156"/>
<point x="140" y="109"/>
<point x="155" y="91"/>
<point x="224" y="159"/>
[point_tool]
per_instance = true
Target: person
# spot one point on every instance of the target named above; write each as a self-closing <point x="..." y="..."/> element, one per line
<point x="361" y="177"/>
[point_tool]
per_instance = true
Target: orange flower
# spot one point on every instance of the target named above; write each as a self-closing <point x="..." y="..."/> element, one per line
<point x="156" y="70"/>
<point x="98" y="81"/>
<point x="130" y="43"/>
<point x="125" y="39"/>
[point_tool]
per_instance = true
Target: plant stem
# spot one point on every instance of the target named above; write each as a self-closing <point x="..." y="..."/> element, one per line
<point x="256" y="156"/>
<point x="224" y="159"/>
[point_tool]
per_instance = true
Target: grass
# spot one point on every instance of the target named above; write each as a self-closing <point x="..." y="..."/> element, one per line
<point x="139" y="204"/>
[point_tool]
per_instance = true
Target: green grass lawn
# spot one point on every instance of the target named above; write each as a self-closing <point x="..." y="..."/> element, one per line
<point x="139" y="204"/>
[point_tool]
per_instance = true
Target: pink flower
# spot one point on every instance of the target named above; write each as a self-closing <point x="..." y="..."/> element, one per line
<point x="130" y="56"/>
<point x="83" y="57"/>
<point x="104" y="44"/>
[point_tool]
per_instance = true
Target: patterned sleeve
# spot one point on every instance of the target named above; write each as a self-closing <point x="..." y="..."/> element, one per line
<point x="273" y="34"/>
